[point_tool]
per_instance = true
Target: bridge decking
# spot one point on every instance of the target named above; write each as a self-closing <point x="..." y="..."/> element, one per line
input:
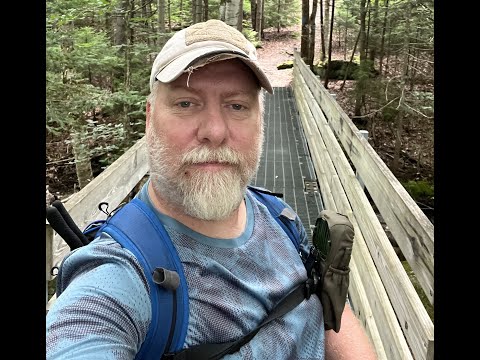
<point x="286" y="165"/>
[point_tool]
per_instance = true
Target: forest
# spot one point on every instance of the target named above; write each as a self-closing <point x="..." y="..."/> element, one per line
<point x="377" y="55"/>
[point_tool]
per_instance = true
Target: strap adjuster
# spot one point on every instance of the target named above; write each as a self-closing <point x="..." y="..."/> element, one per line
<point x="311" y="283"/>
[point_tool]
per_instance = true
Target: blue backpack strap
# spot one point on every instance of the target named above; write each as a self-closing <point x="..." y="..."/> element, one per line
<point x="136" y="227"/>
<point x="284" y="216"/>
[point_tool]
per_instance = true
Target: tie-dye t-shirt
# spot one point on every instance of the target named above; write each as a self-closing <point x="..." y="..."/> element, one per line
<point x="103" y="309"/>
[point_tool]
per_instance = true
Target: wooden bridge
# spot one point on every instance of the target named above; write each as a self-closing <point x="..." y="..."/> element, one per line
<point x="318" y="159"/>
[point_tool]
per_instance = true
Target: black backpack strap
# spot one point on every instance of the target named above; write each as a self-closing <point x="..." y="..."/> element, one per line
<point x="217" y="351"/>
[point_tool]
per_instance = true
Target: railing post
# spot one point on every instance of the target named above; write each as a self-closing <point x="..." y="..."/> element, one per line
<point x="364" y="133"/>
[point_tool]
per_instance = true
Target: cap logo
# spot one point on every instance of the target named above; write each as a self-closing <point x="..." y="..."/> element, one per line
<point x="215" y="30"/>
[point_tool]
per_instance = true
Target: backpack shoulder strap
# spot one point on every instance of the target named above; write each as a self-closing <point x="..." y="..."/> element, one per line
<point x="284" y="216"/>
<point x="136" y="227"/>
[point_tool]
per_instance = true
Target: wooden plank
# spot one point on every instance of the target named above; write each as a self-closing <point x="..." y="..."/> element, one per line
<point x="410" y="227"/>
<point x="112" y="186"/>
<point x="393" y="341"/>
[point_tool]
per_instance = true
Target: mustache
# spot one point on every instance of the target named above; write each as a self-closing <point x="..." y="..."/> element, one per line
<point x="206" y="154"/>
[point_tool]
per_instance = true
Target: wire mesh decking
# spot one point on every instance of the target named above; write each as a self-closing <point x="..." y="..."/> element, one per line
<point x="286" y="166"/>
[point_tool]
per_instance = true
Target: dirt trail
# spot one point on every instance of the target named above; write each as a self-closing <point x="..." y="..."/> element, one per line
<point x="276" y="49"/>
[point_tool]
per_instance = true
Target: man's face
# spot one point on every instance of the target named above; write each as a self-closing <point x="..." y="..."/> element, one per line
<point x="205" y="135"/>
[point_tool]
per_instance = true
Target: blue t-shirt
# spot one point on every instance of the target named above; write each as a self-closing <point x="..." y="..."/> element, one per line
<point x="103" y="309"/>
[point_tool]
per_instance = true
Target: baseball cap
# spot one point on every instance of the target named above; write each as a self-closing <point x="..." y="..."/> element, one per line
<point x="200" y="44"/>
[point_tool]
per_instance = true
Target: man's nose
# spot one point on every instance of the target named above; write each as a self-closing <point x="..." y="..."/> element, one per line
<point x="213" y="126"/>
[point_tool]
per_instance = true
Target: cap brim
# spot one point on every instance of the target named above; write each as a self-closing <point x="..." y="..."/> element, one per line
<point x="178" y="66"/>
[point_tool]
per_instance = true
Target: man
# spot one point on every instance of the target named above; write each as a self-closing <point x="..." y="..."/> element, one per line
<point x="204" y="129"/>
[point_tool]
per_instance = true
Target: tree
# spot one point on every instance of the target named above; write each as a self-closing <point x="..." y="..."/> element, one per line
<point x="120" y="24"/>
<point x="361" y="80"/>
<point x="311" y="37"/>
<point x="197" y="11"/>
<point x="161" y="16"/>
<point x="330" y="37"/>
<point x="322" y="34"/>
<point x="326" y="24"/>
<point x="234" y="13"/>
<point x="304" y="43"/>
<point x="259" y="20"/>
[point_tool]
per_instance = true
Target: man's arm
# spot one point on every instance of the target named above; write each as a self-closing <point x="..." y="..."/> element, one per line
<point x="103" y="309"/>
<point x="351" y="342"/>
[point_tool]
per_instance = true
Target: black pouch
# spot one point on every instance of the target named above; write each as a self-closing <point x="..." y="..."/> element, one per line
<point x="333" y="240"/>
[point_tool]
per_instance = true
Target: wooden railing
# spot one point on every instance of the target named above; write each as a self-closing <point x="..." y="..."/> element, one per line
<point x="381" y="292"/>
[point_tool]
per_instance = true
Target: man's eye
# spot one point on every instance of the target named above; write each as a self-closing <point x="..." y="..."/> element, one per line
<point x="237" y="107"/>
<point x="184" y="104"/>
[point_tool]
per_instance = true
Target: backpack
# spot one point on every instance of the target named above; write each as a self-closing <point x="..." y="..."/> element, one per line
<point x="136" y="227"/>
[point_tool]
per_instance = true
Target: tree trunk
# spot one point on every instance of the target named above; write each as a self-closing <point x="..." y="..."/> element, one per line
<point x="374" y="34"/>
<point x="197" y="11"/>
<point x="181" y="12"/>
<point x="222" y="10"/>
<point x="259" y="20"/>
<point x="83" y="165"/>
<point x="322" y="35"/>
<point x="161" y="16"/>
<point x="253" y="11"/>
<point x="146" y="26"/>
<point x="120" y="24"/>
<point x="330" y="37"/>
<point x="108" y="24"/>
<point x="401" y="106"/>
<point x="311" y="37"/>
<point x="414" y="64"/>
<point x="169" y="15"/>
<point x="234" y="13"/>
<point x="205" y="10"/>
<point x="326" y="23"/>
<point x="305" y="30"/>
<point x="361" y="41"/>
<point x="382" y="43"/>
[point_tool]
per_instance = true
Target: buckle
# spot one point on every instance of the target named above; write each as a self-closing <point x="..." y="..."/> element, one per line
<point x="311" y="284"/>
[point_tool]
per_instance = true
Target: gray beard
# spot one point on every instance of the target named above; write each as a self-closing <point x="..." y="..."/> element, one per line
<point x="203" y="195"/>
